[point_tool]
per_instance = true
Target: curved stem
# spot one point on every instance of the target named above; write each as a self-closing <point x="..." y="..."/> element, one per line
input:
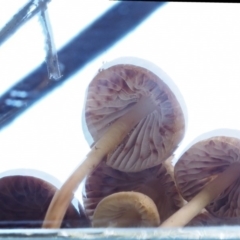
<point x="204" y="197"/>
<point x="111" y="139"/>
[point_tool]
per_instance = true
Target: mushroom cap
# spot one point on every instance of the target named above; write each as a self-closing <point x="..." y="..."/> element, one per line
<point x="112" y="93"/>
<point x="201" y="163"/>
<point x="154" y="182"/>
<point x="126" y="209"/>
<point x="24" y="201"/>
<point x="30" y="172"/>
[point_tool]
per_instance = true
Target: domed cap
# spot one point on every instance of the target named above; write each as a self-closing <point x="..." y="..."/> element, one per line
<point x="154" y="182"/>
<point x="24" y="201"/>
<point x="126" y="209"/>
<point x="112" y="93"/>
<point x="202" y="163"/>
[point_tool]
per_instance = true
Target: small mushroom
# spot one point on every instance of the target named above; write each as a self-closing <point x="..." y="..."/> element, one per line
<point x="150" y="98"/>
<point x="24" y="201"/>
<point x="154" y="182"/>
<point x="207" y="175"/>
<point x="112" y="93"/>
<point x="126" y="209"/>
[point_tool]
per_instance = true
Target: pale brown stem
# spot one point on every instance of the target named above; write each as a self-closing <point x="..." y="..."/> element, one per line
<point x="111" y="139"/>
<point x="204" y="197"/>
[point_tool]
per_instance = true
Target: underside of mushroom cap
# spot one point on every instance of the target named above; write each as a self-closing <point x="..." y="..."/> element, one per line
<point x="203" y="162"/>
<point x="154" y="182"/>
<point x="112" y="93"/>
<point x="24" y="201"/>
<point x="126" y="209"/>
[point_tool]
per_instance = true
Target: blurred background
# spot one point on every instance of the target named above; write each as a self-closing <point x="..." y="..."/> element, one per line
<point x="196" y="44"/>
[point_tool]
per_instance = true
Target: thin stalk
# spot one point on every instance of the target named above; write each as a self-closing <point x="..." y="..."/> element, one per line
<point x="111" y="139"/>
<point x="51" y="53"/>
<point x="204" y="197"/>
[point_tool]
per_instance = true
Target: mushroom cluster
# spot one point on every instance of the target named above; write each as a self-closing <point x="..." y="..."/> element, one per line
<point x="134" y="120"/>
<point x="155" y="183"/>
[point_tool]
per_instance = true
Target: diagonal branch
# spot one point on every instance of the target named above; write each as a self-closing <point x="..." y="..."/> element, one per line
<point x="51" y="53"/>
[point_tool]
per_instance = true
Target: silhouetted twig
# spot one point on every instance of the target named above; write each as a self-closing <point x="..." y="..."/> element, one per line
<point x="51" y="58"/>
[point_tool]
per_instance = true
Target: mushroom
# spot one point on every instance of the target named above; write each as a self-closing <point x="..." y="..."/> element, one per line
<point x="24" y="201"/>
<point x="126" y="209"/>
<point x="112" y="93"/>
<point x="154" y="182"/>
<point x="148" y="98"/>
<point x="207" y="175"/>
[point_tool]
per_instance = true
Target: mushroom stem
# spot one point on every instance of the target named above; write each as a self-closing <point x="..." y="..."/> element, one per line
<point x="111" y="139"/>
<point x="204" y="197"/>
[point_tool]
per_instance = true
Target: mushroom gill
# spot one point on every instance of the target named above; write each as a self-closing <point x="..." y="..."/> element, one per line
<point x="207" y="175"/>
<point x="24" y="201"/>
<point x="201" y="164"/>
<point x="154" y="182"/>
<point x="126" y="209"/>
<point x="113" y="92"/>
